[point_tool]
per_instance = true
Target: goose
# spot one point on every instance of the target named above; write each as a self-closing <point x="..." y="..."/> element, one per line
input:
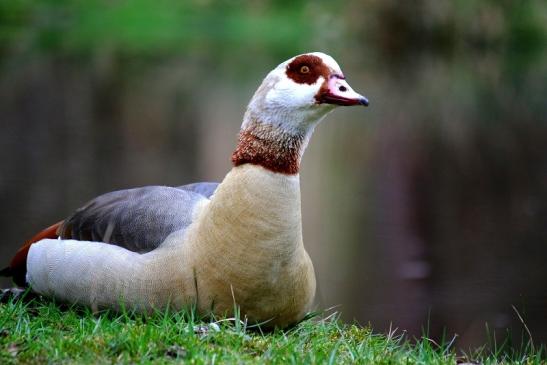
<point x="207" y="245"/>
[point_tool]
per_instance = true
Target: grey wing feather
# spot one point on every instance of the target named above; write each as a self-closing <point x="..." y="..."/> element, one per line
<point x="203" y="188"/>
<point x="137" y="219"/>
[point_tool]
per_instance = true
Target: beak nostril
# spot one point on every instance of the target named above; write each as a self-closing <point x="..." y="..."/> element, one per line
<point x="342" y="88"/>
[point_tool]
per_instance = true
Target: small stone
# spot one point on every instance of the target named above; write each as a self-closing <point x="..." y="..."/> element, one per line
<point x="202" y="330"/>
<point x="215" y="327"/>
<point x="13" y="349"/>
<point x="176" y="351"/>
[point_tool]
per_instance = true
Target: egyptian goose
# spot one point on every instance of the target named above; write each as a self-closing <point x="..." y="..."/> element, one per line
<point x="206" y="244"/>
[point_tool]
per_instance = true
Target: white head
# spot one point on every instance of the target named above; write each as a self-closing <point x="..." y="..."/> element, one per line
<point x="299" y="92"/>
<point x="283" y="112"/>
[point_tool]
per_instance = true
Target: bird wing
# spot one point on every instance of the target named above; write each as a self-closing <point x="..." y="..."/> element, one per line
<point x="204" y="188"/>
<point x="136" y="219"/>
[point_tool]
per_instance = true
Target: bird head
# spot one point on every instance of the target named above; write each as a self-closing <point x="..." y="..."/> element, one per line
<point x="299" y="92"/>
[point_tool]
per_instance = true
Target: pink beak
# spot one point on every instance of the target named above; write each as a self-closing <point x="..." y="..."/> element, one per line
<point x="340" y="93"/>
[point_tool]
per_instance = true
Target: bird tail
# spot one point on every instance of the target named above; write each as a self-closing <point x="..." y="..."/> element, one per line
<point x="17" y="268"/>
<point x="6" y="272"/>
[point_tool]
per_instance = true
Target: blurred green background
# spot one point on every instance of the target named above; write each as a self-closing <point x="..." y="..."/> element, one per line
<point x="426" y="210"/>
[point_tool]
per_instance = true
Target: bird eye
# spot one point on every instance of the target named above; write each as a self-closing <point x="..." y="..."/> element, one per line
<point x="304" y="69"/>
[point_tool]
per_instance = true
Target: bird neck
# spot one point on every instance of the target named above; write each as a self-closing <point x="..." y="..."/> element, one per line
<point x="270" y="145"/>
<point x="254" y="214"/>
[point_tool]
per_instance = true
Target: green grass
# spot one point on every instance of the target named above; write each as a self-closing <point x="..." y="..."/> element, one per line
<point x="42" y="332"/>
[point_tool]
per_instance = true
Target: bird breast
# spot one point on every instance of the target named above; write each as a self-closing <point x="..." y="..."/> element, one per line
<point x="247" y="247"/>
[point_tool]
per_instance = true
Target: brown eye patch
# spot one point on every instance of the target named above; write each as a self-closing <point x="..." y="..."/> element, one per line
<point x="306" y="69"/>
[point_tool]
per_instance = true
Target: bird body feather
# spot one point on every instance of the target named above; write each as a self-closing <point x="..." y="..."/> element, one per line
<point x="253" y="219"/>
